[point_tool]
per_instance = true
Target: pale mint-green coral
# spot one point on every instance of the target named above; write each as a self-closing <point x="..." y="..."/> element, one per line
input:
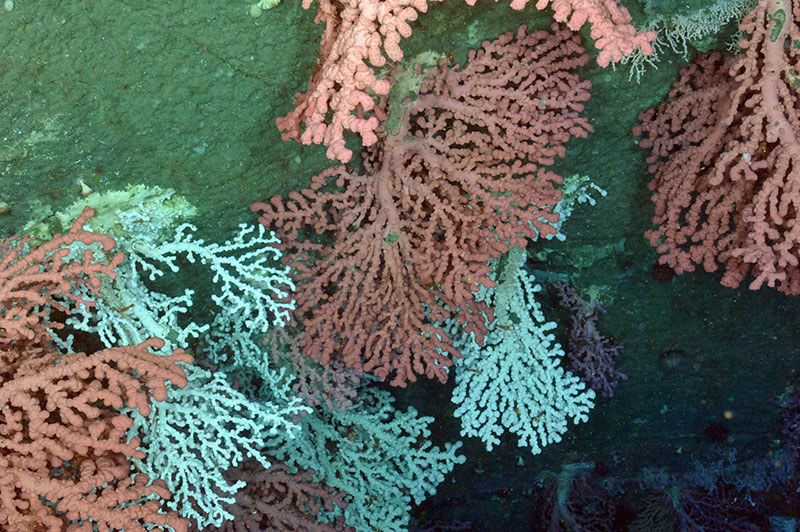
<point x="379" y="456"/>
<point x="514" y="382"/>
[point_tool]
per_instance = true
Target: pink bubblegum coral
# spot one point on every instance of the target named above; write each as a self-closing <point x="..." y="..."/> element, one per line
<point x="45" y="275"/>
<point x="725" y="151"/>
<point x="463" y="177"/>
<point x="63" y="449"/>
<point x="361" y="31"/>
<point x="610" y="23"/>
<point x="63" y="443"/>
<point x="340" y="82"/>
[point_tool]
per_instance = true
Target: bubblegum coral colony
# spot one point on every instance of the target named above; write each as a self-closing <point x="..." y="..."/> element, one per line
<point x="725" y="151"/>
<point x="460" y="180"/>
<point x="391" y="273"/>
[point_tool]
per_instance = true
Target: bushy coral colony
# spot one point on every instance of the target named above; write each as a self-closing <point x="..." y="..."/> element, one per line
<point x="121" y="408"/>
